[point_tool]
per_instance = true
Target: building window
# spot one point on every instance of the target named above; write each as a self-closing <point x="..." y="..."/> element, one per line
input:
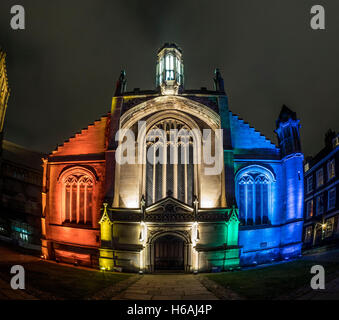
<point x="329" y="227"/>
<point x="331" y="198"/>
<point x="320" y="177"/>
<point x="169" y="64"/>
<point x="320" y="204"/>
<point x="169" y="165"/>
<point x="21" y="231"/>
<point x="335" y="142"/>
<point x="308" y="234"/>
<point x="309" y="184"/>
<point x="309" y="209"/>
<point x="331" y="169"/>
<point x="77" y="199"/>
<point x="23" y="236"/>
<point x="254" y="197"/>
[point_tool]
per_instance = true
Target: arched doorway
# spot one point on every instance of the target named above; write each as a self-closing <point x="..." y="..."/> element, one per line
<point x="169" y="253"/>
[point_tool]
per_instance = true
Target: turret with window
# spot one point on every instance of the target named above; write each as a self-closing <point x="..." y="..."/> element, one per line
<point x="170" y="69"/>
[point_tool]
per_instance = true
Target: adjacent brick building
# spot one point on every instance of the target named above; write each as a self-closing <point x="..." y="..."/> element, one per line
<point x="20" y="202"/>
<point x="322" y="194"/>
<point x="20" y="182"/>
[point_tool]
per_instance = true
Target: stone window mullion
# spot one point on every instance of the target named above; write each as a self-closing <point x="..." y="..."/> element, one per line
<point x="78" y="202"/>
<point x="154" y="173"/>
<point x="85" y="203"/>
<point x="164" y="162"/>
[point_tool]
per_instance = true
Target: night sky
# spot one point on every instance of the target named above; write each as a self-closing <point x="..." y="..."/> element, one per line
<point x="62" y="69"/>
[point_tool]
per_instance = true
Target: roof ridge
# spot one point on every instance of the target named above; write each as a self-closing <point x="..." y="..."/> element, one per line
<point x="92" y="124"/>
<point x="252" y="127"/>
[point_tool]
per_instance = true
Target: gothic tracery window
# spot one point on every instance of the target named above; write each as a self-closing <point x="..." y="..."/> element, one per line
<point x="77" y="199"/>
<point x="254" y="198"/>
<point x="171" y="170"/>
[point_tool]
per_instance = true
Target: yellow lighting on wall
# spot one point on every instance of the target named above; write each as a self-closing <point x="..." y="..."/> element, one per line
<point x="207" y="203"/>
<point x="132" y="203"/>
<point x="106" y="260"/>
<point x="195" y="239"/>
<point x="195" y="260"/>
<point x="141" y="260"/>
<point x="143" y="240"/>
<point x="195" y="233"/>
<point x="143" y="232"/>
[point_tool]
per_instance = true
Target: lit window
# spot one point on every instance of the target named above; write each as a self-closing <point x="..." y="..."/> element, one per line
<point x="169" y="166"/>
<point x="331" y="169"/>
<point x="335" y="142"/>
<point x="169" y="64"/>
<point x="161" y="66"/>
<point x="320" y="177"/>
<point x="308" y="234"/>
<point x="23" y="236"/>
<point x="320" y="204"/>
<point x="309" y="208"/>
<point x="77" y="195"/>
<point x="306" y="167"/>
<point x="331" y="198"/>
<point x="254" y="197"/>
<point x="309" y="184"/>
<point x="178" y="66"/>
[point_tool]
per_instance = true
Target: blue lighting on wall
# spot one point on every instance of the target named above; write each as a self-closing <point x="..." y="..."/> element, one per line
<point x="279" y="188"/>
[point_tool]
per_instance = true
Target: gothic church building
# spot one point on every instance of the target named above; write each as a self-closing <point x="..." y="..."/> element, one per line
<point x="144" y="215"/>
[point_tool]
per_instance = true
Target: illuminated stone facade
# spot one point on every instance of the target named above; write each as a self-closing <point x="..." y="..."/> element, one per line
<point x="143" y="216"/>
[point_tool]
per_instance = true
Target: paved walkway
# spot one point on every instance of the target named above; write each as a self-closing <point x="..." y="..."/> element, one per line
<point x="167" y="287"/>
<point x="7" y="293"/>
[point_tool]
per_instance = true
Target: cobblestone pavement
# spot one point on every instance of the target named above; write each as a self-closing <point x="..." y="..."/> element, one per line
<point x="166" y="287"/>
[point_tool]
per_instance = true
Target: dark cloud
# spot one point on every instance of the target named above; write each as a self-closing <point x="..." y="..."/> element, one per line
<point x="62" y="69"/>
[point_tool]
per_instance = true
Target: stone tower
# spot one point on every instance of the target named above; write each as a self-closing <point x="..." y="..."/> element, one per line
<point x="288" y="127"/>
<point x="170" y="69"/>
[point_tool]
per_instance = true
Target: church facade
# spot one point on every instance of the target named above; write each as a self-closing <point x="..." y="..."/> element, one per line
<point x="172" y="179"/>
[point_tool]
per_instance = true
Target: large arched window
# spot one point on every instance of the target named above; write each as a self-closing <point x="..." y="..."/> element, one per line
<point x="254" y="195"/>
<point x="77" y="193"/>
<point x="169" y="162"/>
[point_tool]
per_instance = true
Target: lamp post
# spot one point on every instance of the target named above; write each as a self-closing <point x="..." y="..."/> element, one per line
<point x="323" y="226"/>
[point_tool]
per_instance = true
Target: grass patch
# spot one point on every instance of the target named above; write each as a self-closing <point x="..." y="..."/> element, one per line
<point x="62" y="282"/>
<point x="274" y="281"/>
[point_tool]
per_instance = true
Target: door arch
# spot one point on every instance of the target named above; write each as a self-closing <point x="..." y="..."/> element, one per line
<point x="169" y="253"/>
